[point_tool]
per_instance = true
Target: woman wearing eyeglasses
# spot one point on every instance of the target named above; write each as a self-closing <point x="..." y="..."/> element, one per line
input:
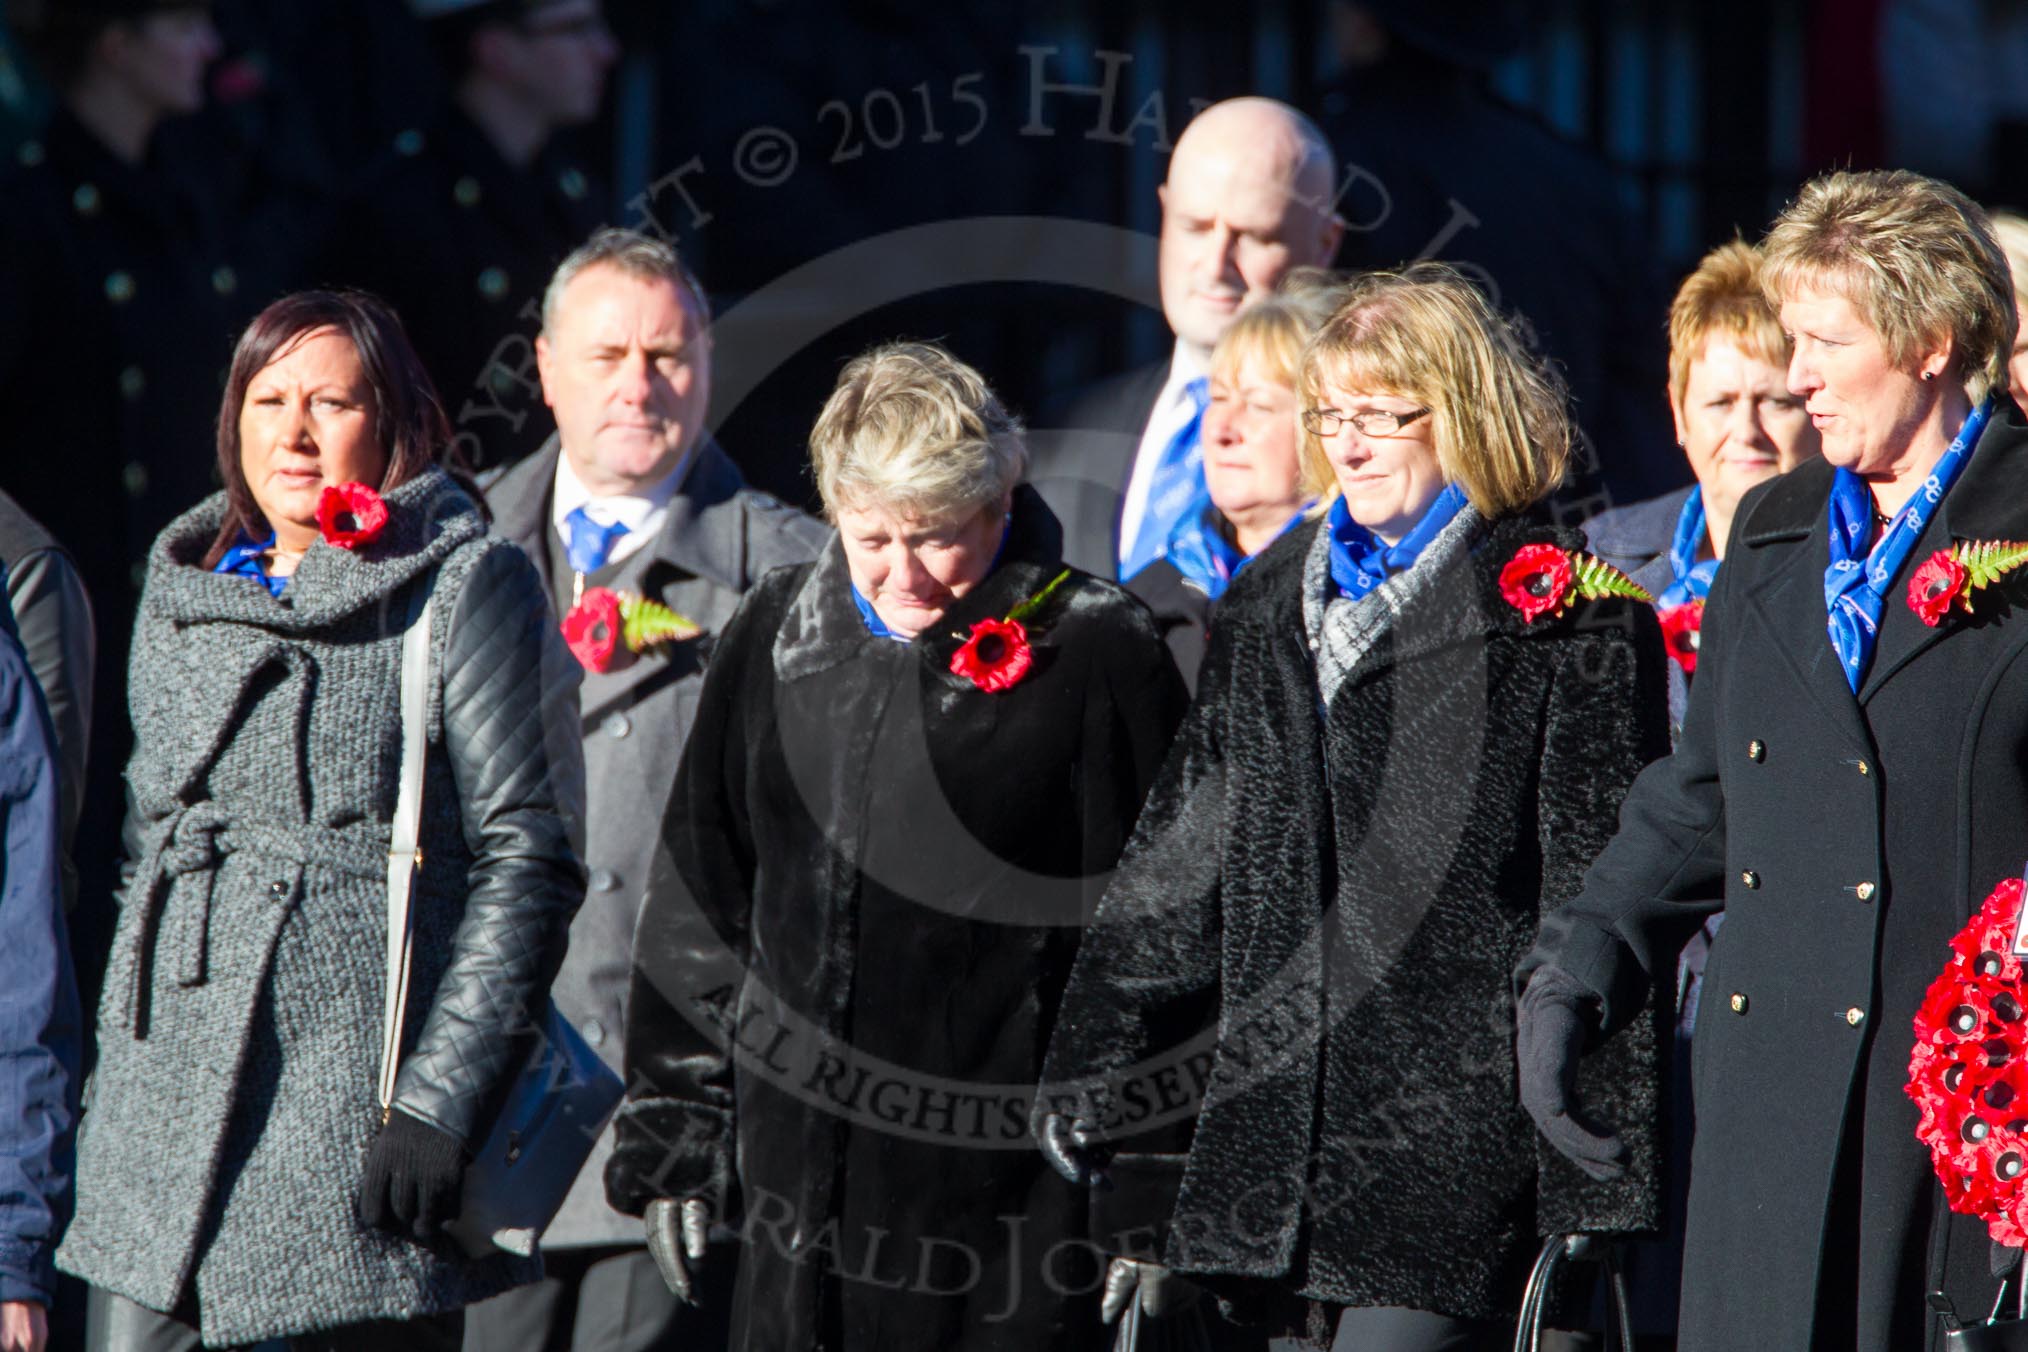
<point x="1412" y="727"/>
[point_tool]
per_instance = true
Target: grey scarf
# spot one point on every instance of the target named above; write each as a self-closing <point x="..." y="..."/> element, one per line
<point x="1342" y="631"/>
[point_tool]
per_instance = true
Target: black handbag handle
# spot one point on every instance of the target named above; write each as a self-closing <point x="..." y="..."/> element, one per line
<point x="1556" y="1250"/>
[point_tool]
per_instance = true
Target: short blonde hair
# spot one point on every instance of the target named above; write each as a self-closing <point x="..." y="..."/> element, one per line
<point x="912" y="429"/>
<point x="1723" y="299"/>
<point x="1270" y="335"/>
<point x="2012" y="232"/>
<point x="1916" y="257"/>
<point x="1497" y="414"/>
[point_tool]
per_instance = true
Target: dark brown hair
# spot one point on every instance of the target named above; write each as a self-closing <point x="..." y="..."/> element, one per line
<point x="410" y="423"/>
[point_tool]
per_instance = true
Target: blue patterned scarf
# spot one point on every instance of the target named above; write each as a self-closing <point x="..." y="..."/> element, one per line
<point x="1858" y="581"/>
<point x="1693" y="575"/>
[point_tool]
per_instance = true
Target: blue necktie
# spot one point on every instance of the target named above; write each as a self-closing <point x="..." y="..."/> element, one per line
<point x="590" y="543"/>
<point x="1178" y="484"/>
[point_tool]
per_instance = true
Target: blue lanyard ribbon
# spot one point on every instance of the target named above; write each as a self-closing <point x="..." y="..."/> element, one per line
<point x="1361" y="560"/>
<point x="1857" y="583"/>
<point x="1693" y="576"/>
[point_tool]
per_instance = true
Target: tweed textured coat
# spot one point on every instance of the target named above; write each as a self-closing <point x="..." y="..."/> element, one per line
<point x="1847" y="838"/>
<point x="1307" y="948"/>
<point x="233" y="1105"/>
<point x="877" y="875"/>
<point x="719" y="538"/>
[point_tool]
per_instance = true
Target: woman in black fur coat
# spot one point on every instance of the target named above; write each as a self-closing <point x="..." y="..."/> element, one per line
<point x="914" y="763"/>
<point x="1414" y="727"/>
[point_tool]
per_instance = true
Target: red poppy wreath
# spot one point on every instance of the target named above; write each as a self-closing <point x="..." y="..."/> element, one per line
<point x="1968" y="1074"/>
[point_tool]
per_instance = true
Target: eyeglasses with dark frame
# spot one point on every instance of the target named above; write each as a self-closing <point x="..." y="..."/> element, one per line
<point x="1374" y="422"/>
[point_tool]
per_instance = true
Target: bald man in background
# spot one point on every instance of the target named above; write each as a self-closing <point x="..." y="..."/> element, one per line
<point x="1249" y="196"/>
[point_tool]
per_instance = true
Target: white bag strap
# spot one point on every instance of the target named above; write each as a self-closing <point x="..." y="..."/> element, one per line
<point x="404" y="850"/>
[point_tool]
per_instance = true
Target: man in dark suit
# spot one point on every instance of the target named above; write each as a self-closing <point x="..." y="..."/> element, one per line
<point x="1248" y="197"/>
<point x="632" y="496"/>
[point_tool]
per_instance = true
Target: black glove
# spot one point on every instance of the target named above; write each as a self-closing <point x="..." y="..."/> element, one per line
<point x="414" y="1175"/>
<point x="1552" y="1022"/>
<point x="1068" y="1147"/>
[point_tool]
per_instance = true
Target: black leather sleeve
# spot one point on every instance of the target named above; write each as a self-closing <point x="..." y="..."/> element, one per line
<point x="53" y="616"/>
<point x="511" y="732"/>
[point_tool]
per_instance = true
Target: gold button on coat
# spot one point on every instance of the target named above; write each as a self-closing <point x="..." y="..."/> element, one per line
<point x="1855" y="1016"/>
<point x="1864" y="768"/>
<point x="1738" y="1003"/>
<point x="1750" y="878"/>
<point x="1756" y="750"/>
<point x="1865" y="891"/>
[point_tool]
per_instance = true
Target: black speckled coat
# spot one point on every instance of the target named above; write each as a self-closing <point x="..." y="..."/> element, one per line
<point x="1315" y="925"/>
<point x="875" y="878"/>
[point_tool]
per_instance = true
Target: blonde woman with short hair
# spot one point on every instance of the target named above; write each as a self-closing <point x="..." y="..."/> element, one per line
<point x="1257" y="485"/>
<point x="1737" y="424"/>
<point x="2011" y="229"/>
<point x="1407" y="736"/>
<point x="1848" y="787"/>
<point x="912" y="765"/>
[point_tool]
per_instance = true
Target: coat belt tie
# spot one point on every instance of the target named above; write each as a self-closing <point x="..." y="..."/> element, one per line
<point x="189" y="845"/>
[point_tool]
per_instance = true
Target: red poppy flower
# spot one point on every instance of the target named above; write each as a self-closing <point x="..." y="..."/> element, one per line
<point x="1938" y="582"/>
<point x="594" y="628"/>
<point x="995" y="657"/>
<point x="350" y="515"/>
<point x="1682" y="627"/>
<point x="1536" y="580"/>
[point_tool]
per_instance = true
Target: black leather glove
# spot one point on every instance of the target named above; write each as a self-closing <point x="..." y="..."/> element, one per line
<point x="1068" y="1147"/>
<point x="676" y="1241"/>
<point x="1554" y="1019"/>
<point x="415" y="1174"/>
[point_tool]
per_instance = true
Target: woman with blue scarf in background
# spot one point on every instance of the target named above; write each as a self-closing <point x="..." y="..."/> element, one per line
<point x="1257" y="485"/>
<point x="1848" y="785"/>
<point x="1738" y="426"/>
<point x="1416" y="719"/>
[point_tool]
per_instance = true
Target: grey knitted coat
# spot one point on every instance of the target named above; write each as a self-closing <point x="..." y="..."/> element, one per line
<point x="229" y="1118"/>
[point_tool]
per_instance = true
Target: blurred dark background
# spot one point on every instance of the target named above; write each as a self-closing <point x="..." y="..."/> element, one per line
<point x="1544" y="140"/>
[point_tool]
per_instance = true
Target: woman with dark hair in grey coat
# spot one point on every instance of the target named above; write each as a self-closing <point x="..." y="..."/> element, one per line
<point x="236" y="1177"/>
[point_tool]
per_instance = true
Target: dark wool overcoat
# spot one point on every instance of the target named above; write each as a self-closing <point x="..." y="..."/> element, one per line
<point x="227" y="1124"/>
<point x="1849" y="838"/>
<point x="875" y="879"/>
<point x="1315" y="928"/>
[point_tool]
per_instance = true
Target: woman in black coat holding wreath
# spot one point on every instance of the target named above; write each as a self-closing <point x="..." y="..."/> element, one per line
<point x="914" y="764"/>
<point x="1851" y="781"/>
<point x="1413" y="727"/>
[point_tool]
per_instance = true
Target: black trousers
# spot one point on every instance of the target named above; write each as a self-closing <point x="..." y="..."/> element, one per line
<point x="606" y="1299"/>
<point x="116" y="1324"/>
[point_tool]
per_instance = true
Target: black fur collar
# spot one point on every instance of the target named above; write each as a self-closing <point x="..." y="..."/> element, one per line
<point x="823" y="628"/>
